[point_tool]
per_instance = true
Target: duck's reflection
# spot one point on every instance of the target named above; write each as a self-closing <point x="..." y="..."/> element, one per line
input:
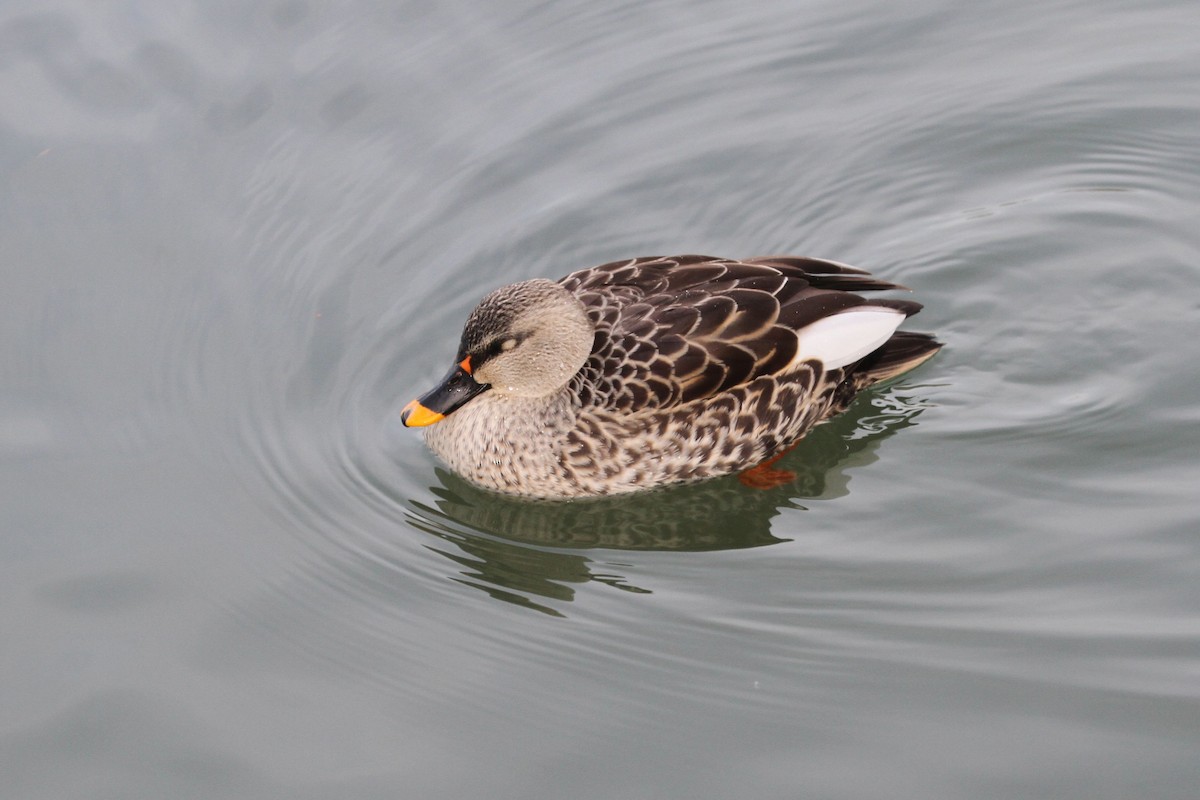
<point x="517" y="550"/>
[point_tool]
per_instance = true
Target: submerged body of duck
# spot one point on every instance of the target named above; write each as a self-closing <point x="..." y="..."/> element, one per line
<point x="654" y="371"/>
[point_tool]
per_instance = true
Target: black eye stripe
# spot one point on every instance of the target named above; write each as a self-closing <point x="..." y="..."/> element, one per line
<point x="495" y="348"/>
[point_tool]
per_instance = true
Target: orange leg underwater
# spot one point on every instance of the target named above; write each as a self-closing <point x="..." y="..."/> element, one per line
<point x="765" y="476"/>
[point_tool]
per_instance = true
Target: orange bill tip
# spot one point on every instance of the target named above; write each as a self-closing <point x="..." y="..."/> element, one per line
<point x="416" y="415"/>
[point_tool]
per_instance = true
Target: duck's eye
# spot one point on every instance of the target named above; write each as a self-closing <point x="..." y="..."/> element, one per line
<point x="498" y="346"/>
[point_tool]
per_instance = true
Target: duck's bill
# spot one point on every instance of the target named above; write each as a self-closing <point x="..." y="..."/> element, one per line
<point x="416" y="415"/>
<point x="454" y="390"/>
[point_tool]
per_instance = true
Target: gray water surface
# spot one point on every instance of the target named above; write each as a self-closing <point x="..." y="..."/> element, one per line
<point x="236" y="238"/>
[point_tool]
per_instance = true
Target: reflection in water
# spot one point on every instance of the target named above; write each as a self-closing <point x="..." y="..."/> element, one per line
<point x="514" y="548"/>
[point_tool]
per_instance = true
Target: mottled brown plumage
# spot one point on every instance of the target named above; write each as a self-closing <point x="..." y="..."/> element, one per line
<point x="653" y="371"/>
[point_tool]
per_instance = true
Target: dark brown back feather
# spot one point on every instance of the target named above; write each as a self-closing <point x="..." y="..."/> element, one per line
<point x="673" y="330"/>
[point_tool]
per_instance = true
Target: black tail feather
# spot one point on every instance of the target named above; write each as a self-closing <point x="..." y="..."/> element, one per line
<point x="901" y="353"/>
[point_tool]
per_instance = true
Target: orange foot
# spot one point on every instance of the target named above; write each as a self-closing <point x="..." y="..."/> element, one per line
<point x="765" y="476"/>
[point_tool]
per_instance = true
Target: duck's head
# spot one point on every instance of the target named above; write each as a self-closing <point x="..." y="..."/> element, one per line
<point x="525" y="340"/>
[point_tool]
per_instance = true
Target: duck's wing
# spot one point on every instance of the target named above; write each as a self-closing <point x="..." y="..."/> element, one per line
<point x="676" y="329"/>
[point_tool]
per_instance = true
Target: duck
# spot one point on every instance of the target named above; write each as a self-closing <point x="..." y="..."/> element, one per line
<point x="653" y="371"/>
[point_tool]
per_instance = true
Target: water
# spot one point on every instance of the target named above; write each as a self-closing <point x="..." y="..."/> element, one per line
<point x="236" y="238"/>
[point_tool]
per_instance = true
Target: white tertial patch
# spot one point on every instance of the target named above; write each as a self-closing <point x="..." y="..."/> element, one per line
<point x="846" y="337"/>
